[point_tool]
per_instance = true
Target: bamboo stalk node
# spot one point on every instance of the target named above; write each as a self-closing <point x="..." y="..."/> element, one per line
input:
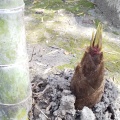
<point x="12" y="10"/>
<point x="15" y="88"/>
<point x="19" y="103"/>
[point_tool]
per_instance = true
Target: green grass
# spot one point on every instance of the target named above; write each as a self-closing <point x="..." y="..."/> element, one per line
<point x="111" y="56"/>
<point x="74" y="6"/>
<point x="96" y="22"/>
<point x="50" y="7"/>
<point x="116" y="33"/>
<point x="38" y="31"/>
<point x="77" y="47"/>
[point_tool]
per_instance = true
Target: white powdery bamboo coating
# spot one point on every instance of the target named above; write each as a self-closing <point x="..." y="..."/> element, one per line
<point x="15" y="90"/>
<point x="10" y="4"/>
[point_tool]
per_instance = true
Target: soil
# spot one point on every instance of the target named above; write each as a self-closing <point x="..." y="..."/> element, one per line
<point x="53" y="100"/>
<point x="44" y="59"/>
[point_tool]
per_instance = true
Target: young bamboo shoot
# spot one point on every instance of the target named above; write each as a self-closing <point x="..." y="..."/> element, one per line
<point x="87" y="83"/>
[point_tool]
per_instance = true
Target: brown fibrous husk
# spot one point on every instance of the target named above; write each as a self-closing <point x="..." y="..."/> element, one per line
<point x="87" y="83"/>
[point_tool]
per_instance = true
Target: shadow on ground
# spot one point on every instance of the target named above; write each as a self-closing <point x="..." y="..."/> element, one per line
<point x="69" y="25"/>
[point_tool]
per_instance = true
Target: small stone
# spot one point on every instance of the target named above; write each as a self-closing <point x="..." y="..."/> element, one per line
<point x="55" y="108"/>
<point x="54" y="98"/>
<point x="66" y="92"/>
<point x="53" y="104"/>
<point x="47" y="112"/>
<point x="117" y="115"/>
<point x="107" y="100"/>
<point x="92" y="1"/>
<point x="69" y="117"/>
<point x="63" y="112"/>
<point x="87" y="114"/>
<point x="39" y="11"/>
<point x="55" y="113"/>
<point x="44" y="76"/>
<point x="106" y="116"/>
<point x="42" y="117"/>
<point x="67" y="102"/>
<point x="58" y="118"/>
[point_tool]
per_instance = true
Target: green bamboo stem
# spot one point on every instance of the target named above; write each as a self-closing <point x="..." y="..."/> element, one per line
<point x="10" y="4"/>
<point x="15" y="91"/>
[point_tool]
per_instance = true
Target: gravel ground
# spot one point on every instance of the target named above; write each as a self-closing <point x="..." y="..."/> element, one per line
<point x="53" y="100"/>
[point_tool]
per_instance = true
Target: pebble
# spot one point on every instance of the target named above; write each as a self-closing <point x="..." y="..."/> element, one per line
<point x="42" y="117"/>
<point x="87" y="114"/>
<point x="58" y="118"/>
<point x="101" y="110"/>
<point x="66" y="92"/>
<point x="55" y="113"/>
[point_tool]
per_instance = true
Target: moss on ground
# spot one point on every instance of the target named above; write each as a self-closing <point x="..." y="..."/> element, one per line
<point x="115" y="32"/>
<point x="111" y="55"/>
<point x="76" y="6"/>
<point x="77" y="47"/>
<point x="49" y="8"/>
<point x="43" y="29"/>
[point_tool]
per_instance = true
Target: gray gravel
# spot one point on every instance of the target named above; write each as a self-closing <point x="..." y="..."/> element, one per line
<point x="106" y="109"/>
<point x="57" y="102"/>
<point x="87" y="114"/>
